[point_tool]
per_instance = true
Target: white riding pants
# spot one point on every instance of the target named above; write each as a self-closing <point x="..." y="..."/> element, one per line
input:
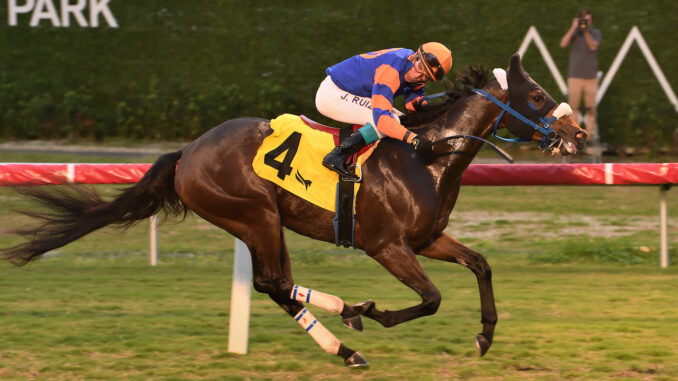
<point x="345" y="107"/>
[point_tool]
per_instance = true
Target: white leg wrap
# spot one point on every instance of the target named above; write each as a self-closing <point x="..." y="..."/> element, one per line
<point x="318" y="332"/>
<point x="327" y="302"/>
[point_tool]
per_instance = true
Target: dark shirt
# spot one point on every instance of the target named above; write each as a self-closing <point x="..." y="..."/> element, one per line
<point x="583" y="61"/>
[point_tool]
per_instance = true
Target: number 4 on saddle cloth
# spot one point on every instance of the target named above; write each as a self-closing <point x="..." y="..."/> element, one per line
<point x="291" y="157"/>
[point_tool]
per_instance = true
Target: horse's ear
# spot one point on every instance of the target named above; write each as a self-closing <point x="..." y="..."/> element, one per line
<point x="516" y="72"/>
<point x="515" y="61"/>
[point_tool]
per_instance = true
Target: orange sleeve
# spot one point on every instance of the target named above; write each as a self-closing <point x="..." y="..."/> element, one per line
<point x="386" y="83"/>
<point x="391" y="128"/>
<point x="388" y="76"/>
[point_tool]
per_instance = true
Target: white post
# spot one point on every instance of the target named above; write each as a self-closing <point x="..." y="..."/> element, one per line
<point x="238" y="327"/>
<point x="70" y="173"/>
<point x="154" y="241"/>
<point x="663" y="236"/>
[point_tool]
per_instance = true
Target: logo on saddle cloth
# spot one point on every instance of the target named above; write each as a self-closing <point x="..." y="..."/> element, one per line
<point x="291" y="157"/>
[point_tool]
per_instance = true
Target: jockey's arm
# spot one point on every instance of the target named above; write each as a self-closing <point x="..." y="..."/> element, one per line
<point x="415" y="98"/>
<point x="386" y="83"/>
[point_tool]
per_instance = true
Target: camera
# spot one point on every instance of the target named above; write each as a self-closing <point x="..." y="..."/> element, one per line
<point x="583" y="24"/>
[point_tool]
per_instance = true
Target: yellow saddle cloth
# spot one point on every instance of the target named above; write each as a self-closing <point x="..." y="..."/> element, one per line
<point x="291" y="157"/>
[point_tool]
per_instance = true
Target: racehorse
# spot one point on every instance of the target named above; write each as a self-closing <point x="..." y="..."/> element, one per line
<point x="402" y="206"/>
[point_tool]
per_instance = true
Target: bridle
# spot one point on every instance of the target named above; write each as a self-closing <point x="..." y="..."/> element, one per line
<point x="549" y="137"/>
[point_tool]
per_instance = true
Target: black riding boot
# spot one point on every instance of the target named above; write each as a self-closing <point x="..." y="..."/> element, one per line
<point x="336" y="160"/>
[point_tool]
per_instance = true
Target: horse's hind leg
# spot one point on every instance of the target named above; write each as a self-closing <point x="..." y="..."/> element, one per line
<point x="446" y="248"/>
<point x="274" y="278"/>
<point x="331" y="303"/>
<point x="253" y="217"/>
<point x="318" y="332"/>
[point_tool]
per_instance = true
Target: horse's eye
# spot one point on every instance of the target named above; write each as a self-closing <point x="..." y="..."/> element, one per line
<point x="538" y="98"/>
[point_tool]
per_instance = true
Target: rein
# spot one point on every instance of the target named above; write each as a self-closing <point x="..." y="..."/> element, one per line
<point x="505" y="155"/>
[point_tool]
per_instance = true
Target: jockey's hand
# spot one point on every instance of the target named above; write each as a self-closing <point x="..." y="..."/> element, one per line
<point x="424" y="147"/>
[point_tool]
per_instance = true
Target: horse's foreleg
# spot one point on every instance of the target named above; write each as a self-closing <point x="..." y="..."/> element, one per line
<point x="400" y="261"/>
<point x="446" y="248"/>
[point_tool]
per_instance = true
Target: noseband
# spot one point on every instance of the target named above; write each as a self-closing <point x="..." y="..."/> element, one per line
<point x="549" y="137"/>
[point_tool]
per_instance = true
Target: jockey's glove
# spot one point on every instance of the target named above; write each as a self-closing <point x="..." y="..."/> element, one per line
<point x="424" y="147"/>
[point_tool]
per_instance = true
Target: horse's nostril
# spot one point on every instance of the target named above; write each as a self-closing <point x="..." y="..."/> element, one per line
<point x="581" y="135"/>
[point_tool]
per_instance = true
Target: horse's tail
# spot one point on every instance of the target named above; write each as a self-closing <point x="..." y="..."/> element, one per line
<point x="74" y="211"/>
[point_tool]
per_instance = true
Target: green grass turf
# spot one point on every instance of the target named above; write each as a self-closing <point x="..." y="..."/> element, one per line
<point x="80" y="318"/>
<point x="569" y="307"/>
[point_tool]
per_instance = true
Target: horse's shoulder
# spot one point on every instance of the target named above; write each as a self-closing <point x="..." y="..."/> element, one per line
<point x="393" y="157"/>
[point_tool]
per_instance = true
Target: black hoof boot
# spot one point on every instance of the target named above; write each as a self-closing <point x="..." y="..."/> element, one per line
<point x="355" y="361"/>
<point x="351" y="318"/>
<point x="353" y="322"/>
<point x="483" y="344"/>
<point x="363" y="307"/>
<point x="336" y="161"/>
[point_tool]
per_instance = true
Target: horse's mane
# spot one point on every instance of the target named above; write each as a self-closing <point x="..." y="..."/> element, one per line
<point x="474" y="77"/>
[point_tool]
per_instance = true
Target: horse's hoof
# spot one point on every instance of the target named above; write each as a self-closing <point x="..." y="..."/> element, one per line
<point x="356" y="360"/>
<point x="353" y="322"/>
<point x="482" y="343"/>
<point x="363" y="307"/>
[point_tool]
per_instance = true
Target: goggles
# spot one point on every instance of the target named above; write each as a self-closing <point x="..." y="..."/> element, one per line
<point x="431" y="62"/>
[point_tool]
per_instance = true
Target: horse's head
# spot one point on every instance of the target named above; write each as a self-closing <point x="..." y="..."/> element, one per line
<point x="539" y="117"/>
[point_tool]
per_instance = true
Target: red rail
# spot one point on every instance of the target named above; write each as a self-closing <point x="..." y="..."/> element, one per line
<point x="39" y="174"/>
<point x="571" y="174"/>
<point x="476" y="174"/>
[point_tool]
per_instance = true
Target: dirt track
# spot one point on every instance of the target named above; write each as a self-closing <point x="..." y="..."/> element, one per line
<point x="475" y="225"/>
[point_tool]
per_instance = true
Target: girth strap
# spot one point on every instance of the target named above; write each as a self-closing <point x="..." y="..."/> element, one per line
<point x="344" y="220"/>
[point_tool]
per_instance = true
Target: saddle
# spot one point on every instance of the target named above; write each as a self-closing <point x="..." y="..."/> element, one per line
<point x="335" y="131"/>
<point x="344" y="219"/>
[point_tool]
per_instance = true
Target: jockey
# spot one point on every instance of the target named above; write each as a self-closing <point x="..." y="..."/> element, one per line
<point x="360" y="90"/>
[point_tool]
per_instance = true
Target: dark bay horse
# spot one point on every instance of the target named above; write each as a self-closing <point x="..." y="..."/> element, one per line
<point x="402" y="207"/>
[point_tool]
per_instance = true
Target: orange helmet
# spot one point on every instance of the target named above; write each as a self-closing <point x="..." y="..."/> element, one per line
<point x="437" y="59"/>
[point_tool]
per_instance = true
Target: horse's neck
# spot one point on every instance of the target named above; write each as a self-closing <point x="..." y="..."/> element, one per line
<point x="474" y="116"/>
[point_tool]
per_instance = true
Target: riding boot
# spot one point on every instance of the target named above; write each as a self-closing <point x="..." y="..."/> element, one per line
<point x="336" y="160"/>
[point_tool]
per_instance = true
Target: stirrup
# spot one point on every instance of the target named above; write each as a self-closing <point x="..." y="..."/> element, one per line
<point x="359" y="177"/>
<point x="343" y="172"/>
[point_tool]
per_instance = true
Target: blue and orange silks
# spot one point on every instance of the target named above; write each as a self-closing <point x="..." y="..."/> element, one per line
<point x="291" y="157"/>
<point x="380" y="75"/>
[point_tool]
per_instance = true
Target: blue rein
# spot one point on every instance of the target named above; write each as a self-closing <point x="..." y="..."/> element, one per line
<point x="505" y="155"/>
<point x="546" y="130"/>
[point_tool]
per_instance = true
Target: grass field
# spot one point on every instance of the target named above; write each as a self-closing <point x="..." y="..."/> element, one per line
<point x="579" y="293"/>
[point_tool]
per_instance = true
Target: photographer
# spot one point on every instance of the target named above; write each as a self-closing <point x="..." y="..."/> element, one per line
<point x="582" y="76"/>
